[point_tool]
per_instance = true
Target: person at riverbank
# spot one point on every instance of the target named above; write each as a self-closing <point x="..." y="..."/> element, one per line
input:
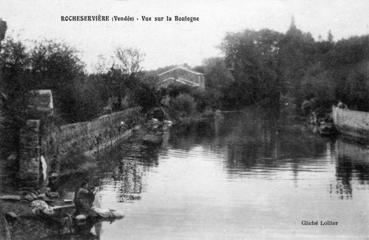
<point x="83" y="200"/>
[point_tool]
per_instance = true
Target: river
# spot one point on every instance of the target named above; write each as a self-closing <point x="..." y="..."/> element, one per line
<point x="246" y="175"/>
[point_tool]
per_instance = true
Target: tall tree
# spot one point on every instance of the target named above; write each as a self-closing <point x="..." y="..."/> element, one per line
<point x="296" y="53"/>
<point x="253" y="58"/>
<point x="56" y="66"/>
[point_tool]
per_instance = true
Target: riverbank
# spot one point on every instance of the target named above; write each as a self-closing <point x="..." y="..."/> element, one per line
<point x="17" y="206"/>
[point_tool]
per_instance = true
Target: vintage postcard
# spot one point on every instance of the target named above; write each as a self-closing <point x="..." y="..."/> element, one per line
<point x="184" y="120"/>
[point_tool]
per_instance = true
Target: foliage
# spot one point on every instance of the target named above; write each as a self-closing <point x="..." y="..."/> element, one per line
<point x="253" y="58"/>
<point x="14" y="64"/>
<point x="268" y="66"/>
<point x="88" y="103"/>
<point x="218" y="79"/>
<point x="56" y="66"/>
<point x="183" y="103"/>
<point x="129" y="60"/>
<point x="3" y="27"/>
<point x="318" y="83"/>
<point x="355" y="88"/>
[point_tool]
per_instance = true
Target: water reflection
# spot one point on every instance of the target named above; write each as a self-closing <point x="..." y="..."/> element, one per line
<point x="245" y="175"/>
<point x="352" y="166"/>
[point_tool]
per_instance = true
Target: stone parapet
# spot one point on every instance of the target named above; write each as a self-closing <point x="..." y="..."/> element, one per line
<point x="42" y="140"/>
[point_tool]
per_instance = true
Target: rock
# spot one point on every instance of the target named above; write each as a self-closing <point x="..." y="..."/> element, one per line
<point x="11" y="215"/>
<point x="136" y="128"/>
<point x="54" y="175"/>
<point x="10" y="197"/>
<point x="30" y="197"/>
<point x="12" y="157"/>
<point x="40" y="206"/>
<point x="108" y="213"/>
<point x="152" y="139"/>
<point x="52" y="194"/>
<point x="81" y="217"/>
<point x="42" y="196"/>
<point x="167" y="124"/>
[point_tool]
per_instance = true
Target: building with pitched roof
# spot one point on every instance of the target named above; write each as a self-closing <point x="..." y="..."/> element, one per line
<point x="181" y="75"/>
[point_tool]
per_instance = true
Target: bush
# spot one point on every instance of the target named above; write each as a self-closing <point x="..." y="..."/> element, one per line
<point x="184" y="103"/>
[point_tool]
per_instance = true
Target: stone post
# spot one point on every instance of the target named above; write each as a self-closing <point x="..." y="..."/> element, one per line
<point x="36" y="141"/>
<point x="30" y="153"/>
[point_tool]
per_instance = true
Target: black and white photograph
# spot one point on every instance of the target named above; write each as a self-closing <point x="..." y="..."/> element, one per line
<point x="184" y="120"/>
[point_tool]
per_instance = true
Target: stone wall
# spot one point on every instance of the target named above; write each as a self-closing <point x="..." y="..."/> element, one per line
<point x="42" y="141"/>
<point x="72" y="140"/>
<point x="350" y="122"/>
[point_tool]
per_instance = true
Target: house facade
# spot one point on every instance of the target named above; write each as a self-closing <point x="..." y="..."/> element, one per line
<point x="181" y="75"/>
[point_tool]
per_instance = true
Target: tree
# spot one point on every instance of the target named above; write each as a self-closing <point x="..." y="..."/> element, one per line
<point x="129" y="60"/>
<point x="330" y="37"/>
<point x="318" y="84"/>
<point x="14" y="65"/>
<point x="216" y="73"/>
<point x="56" y="66"/>
<point x="296" y="53"/>
<point x="3" y="27"/>
<point x="89" y="102"/>
<point x="125" y="84"/>
<point x="218" y="77"/>
<point x="253" y="58"/>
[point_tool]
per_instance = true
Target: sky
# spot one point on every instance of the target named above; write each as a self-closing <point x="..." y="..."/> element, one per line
<point x="170" y="43"/>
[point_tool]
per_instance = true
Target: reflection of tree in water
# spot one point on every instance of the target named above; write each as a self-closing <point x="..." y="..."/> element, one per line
<point x="351" y="164"/>
<point x="261" y="139"/>
<point x="128" y="180"/>
<point x="342" y="186"/>
<point x="185" y="137"/>
<point x="267" y="142"/>
<point x="127" y="173"/>
<point x="123" y="168"/>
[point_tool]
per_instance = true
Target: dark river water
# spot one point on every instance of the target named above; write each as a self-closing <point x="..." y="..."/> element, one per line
<point x="245" y="175"/>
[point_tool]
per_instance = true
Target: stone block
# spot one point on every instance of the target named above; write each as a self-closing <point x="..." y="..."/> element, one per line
<point x="30" y="152"/>
<point x="41" y="103"/>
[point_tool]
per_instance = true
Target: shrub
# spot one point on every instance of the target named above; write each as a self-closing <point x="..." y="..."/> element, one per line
<point x="184" y="103"/>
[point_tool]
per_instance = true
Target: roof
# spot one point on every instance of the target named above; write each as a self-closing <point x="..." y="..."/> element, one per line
<point x="181" y="80"/>
<point x="182" y="68"/>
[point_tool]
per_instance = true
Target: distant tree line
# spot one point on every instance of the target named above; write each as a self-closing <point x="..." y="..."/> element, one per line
<point x="269" y="68"/>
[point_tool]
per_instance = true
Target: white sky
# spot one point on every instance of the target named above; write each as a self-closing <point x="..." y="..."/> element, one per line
<point x="170" y="43"/>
